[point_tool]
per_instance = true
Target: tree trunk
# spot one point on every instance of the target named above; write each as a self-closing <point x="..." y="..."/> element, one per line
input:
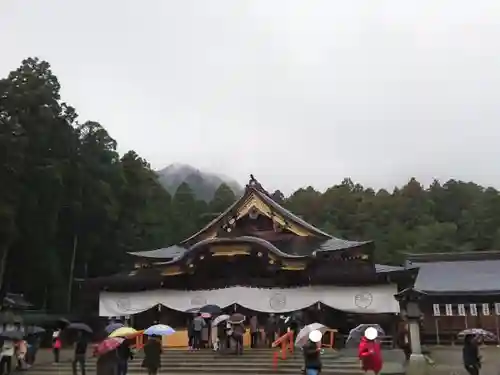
<point x="71" y="272"/>
<point x="3" y="264"/>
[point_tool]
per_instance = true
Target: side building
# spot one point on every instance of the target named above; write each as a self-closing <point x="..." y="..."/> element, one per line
<point x="456" y="291"/>
<point x="258" y="257"/>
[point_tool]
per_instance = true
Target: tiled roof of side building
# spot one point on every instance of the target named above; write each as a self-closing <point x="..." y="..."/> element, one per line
<point x="453" y="256"/>
<point x="458" y="277"/>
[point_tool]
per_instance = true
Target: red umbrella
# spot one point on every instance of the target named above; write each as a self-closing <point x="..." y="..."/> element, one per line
<point x="107" y="345"/>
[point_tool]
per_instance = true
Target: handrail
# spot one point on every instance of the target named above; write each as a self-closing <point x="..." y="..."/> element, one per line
<point x="287" y="344"/>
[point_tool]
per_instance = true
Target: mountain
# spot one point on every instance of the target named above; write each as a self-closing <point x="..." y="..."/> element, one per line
<point x="204" y="184"/>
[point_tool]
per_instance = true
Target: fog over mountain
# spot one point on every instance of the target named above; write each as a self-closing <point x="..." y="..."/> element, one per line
<point x="203" y="183"/>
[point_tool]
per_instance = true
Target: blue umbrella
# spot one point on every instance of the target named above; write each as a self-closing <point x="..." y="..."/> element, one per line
<point x="113" y="327"/>
<point x="159" y="330"/>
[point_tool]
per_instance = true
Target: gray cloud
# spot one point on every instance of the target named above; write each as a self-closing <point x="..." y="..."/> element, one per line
<point x="296" y="92"/>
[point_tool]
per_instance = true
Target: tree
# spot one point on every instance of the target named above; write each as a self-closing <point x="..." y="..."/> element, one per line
<point x="185" y="214"/>
<point x="223" y="198"/>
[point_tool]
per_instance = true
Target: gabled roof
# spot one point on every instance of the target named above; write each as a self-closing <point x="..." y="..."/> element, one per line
<point x="255" y="188"/>
<point x="458" y="277"/>
<point x="15" y="301"/>
<point x="452" y="257"/>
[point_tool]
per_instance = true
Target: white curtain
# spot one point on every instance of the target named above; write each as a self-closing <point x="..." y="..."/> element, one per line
<point x="366" y="300"/>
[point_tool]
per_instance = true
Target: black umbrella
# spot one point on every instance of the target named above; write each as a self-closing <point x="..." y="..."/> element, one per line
<point x="80" y="327"/>
<point x="35" y="330"/>
<point x="211" y="309"/>
<point x="62" y="323"/>
<point x="12" y="335"/>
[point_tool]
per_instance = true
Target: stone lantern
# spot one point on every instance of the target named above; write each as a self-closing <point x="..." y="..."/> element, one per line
<point x="409" y="300"/>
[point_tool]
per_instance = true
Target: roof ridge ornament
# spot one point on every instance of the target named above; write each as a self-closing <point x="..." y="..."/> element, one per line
<point x="254" y="184"/>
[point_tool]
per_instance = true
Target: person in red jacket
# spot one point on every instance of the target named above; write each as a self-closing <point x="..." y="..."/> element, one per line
<point x="369" y="351"/>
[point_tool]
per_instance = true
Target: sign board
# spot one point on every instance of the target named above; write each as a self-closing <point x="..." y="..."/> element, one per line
<point x="473" y="309"/>
<point x="436" y="310"/>
<point x="449" y="309"/>
<point x="497" y="308"/>
<point x="486" y="309"/>
<point x="461" y="309"/>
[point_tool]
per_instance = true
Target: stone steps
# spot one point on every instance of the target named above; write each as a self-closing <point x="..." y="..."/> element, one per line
<point x="181" y="362"/>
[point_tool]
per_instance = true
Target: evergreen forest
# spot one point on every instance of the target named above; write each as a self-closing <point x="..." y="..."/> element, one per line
<point x="72" y="207"/>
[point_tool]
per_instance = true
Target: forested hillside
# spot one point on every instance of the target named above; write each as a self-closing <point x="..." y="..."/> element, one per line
<point x="68" y="198"/>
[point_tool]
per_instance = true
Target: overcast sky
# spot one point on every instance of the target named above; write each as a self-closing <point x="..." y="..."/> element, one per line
<point x="295" y="92"/>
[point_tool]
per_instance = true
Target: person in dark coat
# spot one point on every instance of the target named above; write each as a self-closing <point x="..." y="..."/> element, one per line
<point x="152" y="355"/>
<point x="470" y="355"/>
<point x="124" y="355"/>
<point x="80" y="353"/>
<point x="312" y="353"/>
<point x="254" y="331"/>
<point x="107" y="363"/>
<point x="270" y="330"/>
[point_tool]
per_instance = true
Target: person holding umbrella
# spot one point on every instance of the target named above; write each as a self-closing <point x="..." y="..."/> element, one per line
<point x="80" y="353"/>
<point x="56" y="345"/>
<point x="238" y="331"/>
<point x="124" y="355"/>
<point x="198" y="324"/>
<point x="470" y="354"/>
<point x="312" y="352"/>
<point x="369" y="351"/>
<point x="152" y="355"/>
<point x="107" y="361"/>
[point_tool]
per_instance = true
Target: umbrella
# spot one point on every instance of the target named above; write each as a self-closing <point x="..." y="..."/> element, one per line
<point x="357" y="333"/>
<point x="220" y="319"/>
<point x="12" y="335"/>
<point x="237" y="318"/>
<point x="124" y="332"/>
<point x="108" y="345"/>
<point x="80" y="327"/>
<point x="113" y="327"/>
<point x="35" y="330"/>
<point x="211" y="309"/>
<point x="159" y="330"/>
<point x="303" y="335"/>
<point x="477" y="332"/>
<point x="59" y="323"/>
<point x="193" y="310"/>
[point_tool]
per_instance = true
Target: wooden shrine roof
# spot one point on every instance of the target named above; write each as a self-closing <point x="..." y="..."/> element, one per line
<point x="255" y="197"/>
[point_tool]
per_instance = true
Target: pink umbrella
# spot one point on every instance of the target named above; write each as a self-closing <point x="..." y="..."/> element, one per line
<point x="108" y="345"/>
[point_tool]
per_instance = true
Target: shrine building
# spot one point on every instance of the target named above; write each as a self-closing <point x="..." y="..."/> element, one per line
<point x="257" y="257"/>
<point x="455" y="291"/>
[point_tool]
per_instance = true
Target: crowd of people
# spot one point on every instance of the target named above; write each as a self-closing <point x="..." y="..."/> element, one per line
<point x="225" y="335"/>
<point x="203" y="334"/>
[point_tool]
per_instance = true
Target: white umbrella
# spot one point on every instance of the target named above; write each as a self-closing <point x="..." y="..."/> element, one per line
<point x="219" y="319"/>
<point x="303" y="335"/>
